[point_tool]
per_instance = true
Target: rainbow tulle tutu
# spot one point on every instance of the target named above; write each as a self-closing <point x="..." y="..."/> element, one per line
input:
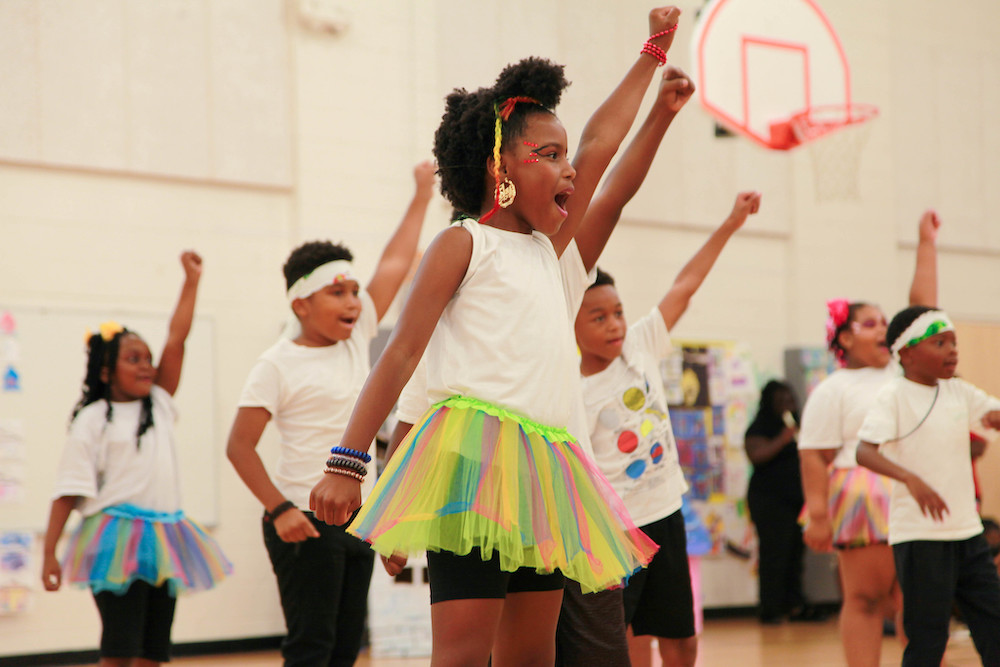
<point x="471" y="474"/>
<point x="859" y="507"/>
<point x="125" y="543"/>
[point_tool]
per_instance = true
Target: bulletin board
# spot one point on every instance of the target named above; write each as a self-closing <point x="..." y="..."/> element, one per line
<point x="42" y="365"/>
<point x="710" y="389"/>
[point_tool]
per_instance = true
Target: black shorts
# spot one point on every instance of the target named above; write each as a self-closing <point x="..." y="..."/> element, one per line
<point x="136" y="624"/>
<point x="658" y="599"/>
<point x="470" y="577"/>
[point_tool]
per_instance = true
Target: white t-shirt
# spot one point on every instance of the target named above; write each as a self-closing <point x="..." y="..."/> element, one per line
<point x="506" y="336"/>
<point x="102" y="463"/>
<point x="837" y="407"/>
<point x="938" y="451"/>
<point x="629" y="424"/>
<point x="310" y="393"/>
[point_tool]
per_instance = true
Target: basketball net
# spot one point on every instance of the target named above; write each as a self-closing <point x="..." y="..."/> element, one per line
<point x="835" y="137"/>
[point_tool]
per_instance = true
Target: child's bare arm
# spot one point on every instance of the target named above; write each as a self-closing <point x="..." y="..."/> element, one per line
<point x="930" y="502"/>
<point x="607" y="128"/>
<point x="690" y="278"/>
<point x="628" y="174"/>
<point x="58" y="515"/>
<point x="394" y="564"/>
<point x="991" y="420"/>
<point x="923" y="289"/>
<point x="818" y="531"/>
<point x="241" y="450"/>
<point x="168" y="373"/>
<point x="397" y="258"/>
<point x="444" y="265"/>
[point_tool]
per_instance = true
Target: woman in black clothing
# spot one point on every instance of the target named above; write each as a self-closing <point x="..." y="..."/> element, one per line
<point x="775" y="500"/>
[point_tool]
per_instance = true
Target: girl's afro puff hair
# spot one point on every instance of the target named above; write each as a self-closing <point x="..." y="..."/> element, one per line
<point x="464" y="140"/>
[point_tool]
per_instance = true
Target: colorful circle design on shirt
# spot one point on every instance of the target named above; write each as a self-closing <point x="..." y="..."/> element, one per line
<point x="627" y="442"/>
<point x="635" y="469"/>
<point x="656" y="452"/>
<point x="609" y="418"/>
<point x="646" y="427"/>
<point x="634" y="399"/>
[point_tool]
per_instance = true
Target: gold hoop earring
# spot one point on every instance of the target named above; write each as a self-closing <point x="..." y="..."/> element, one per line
<point x="506" y="192"/>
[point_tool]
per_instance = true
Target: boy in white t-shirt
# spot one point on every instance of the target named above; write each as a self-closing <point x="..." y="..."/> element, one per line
<point x="308" y="383"/>
<point x="918" y="434"/>
<point x="634" y="445"/>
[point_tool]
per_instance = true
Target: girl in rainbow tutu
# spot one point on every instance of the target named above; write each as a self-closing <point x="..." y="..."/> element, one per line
<point x="489" y="481"/>
<point x="135" y="549"/>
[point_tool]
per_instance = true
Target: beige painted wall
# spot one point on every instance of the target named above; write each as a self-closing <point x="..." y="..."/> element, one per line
<point x="263" y="132"/>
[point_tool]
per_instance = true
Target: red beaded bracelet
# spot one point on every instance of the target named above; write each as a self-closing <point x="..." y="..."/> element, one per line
<point x="653" y="50"/>
<point x="664" y="32"/>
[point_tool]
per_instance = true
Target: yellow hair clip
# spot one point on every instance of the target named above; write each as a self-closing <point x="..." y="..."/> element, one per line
<point x="110" y="329"/>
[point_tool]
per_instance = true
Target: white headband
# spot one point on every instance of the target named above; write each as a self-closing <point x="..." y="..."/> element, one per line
<point x="331" y="273"/>
<point x="926" y="325"/>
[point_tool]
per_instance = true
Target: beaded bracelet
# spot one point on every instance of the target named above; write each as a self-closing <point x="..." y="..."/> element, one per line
<point x="278" y="511"/>
<point x="349" y="464"/>
<point x="664" y="32"/>
<point x="652" y="49"/>
<point x="349" y="473"/>
<point x="346" y="451"/>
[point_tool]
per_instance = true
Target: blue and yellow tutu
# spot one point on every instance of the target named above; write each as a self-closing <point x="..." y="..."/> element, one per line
<point x="125" y="543"/>
<point x="471" y="474"/>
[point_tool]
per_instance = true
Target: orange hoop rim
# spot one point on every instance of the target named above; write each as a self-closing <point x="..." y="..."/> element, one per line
<point x="820" y="120"/>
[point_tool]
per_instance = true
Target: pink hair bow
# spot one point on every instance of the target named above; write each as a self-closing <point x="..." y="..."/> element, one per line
<point x="838" y="310"/>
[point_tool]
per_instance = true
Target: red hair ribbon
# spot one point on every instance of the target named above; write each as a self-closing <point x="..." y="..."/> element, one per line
<point x="507" y="106"/>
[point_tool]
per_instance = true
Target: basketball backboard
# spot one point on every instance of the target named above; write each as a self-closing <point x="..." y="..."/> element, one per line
<point x="773" y="71"/>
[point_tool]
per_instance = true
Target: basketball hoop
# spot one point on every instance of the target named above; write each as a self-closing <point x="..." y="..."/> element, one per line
<point x="835" y="135"/>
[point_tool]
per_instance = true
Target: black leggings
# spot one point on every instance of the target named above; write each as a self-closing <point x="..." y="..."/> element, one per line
<point x="470" y="577"/>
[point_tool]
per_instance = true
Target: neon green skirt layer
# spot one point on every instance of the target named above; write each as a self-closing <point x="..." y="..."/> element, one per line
<point x="471" y="474"/>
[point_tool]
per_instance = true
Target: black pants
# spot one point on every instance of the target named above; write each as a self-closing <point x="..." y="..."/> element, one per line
<point x="591" y="629"/>
<point x="323" y="584"/>
<point x="136" y="624"/>
<point x="933" y="577"/>
<point x="781" y="549"/>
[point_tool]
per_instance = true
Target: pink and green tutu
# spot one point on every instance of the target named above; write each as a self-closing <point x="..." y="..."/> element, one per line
<point x="471" y="474"/>
<point x="859" y="507"/>
<point x="125" y="543"/>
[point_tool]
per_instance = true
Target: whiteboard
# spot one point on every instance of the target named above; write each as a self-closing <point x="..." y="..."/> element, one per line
<point x="46" y="348"/>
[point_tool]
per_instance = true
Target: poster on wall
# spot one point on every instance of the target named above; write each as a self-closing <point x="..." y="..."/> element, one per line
<point x="16" y="571"/>
<point x="710" y="386"/>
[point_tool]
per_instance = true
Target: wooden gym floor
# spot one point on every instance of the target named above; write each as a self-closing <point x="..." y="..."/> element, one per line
<point x="725" y="642"/>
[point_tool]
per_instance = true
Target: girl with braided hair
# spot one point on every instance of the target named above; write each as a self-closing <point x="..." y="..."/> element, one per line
<point x="489" y="481"/>
<point x="135" y="549"/>
<point x="846" y="506"/>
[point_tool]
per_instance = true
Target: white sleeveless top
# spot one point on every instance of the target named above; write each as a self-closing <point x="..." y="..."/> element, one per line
<point x="506" y="336"/>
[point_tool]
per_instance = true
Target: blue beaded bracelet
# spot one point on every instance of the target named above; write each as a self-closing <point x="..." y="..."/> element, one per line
<point x="351" y="452"/>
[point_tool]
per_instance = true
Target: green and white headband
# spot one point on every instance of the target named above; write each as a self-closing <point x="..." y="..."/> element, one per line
<point x="926" y="325"/>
